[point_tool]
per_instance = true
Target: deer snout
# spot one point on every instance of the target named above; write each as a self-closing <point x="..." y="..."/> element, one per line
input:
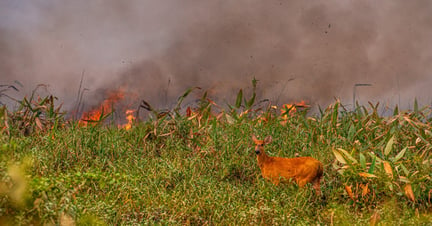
<point x="257" y="151"/>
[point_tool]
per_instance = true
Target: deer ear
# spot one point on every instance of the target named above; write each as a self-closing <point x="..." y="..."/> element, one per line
<point x="268" y="140"/>
<point x="254" y="138"/>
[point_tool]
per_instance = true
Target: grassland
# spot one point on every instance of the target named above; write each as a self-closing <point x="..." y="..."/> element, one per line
<point x="198" y="167"/>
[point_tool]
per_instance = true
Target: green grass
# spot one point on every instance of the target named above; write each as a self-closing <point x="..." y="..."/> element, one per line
<point x="174" y="169"/>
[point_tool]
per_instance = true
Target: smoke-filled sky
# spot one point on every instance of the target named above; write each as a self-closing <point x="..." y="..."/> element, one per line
<point x="298" y="50"/>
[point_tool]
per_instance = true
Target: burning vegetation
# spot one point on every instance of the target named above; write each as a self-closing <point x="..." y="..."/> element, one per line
<point x="368" y="159"/>
<point x="98" y="114"/>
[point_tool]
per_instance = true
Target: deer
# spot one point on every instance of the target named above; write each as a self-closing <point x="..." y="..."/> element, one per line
<point x="301" y="170"/>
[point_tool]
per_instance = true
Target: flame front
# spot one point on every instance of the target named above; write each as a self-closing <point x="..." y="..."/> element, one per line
<point x="130" y="118"/>
<point x="97" y="114"/>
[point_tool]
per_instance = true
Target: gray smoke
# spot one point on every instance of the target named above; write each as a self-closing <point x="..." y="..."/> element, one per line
<point x="155" y="50"/>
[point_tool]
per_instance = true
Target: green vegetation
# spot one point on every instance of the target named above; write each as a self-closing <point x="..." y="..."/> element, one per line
<point x="198" y="166"/>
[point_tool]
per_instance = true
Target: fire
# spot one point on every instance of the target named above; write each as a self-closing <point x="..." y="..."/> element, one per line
<point x="106" y="107"/>
<point x="130" y="118"/>
<point x="97" y="114"/>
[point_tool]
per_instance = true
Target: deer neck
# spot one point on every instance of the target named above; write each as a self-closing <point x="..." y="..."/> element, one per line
<point x="263" y="158"/>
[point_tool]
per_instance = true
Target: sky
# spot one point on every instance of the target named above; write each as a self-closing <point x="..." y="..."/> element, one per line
<point x="154" y="50"/>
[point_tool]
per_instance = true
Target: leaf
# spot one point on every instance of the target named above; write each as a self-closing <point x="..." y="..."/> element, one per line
<point x="388" y="169"/>
<point x="365" y="189"/>
<point x="230" y="119"/>
<point x="347" y="155"/>
<point x="251" y="102"/>
<point x="39" y="123"/>
<point x="351" y="132"/>
<point x="409" y="192"/>
<point x="404" y="169"/>
<point x="322" y="114"/>
<point x="182" y="97"/>
<point x="390" y="185"/>
<point x="339" y="156"/>
<point x="338" y="169"/>
<point x="335" y="113"/>
<point x="349" y="191"/>
<point x="389" y="146"/>
<point x="396" y="110"/>
<point x="362" y="161"/>
<point x="400" y="155"/>
<point x="404" y="179"/>
<point x="239" y="98"/>
<point x="367" y="175"/>
<point x="254" y="83"/>
<point x="372" y="167"/>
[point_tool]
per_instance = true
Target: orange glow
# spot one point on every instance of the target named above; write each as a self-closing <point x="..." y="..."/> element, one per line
<point x="106" y="107"/>
<point x="130" y="118"/>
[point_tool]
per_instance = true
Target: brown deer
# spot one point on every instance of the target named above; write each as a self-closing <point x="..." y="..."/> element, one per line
<point x="302" y="170"/>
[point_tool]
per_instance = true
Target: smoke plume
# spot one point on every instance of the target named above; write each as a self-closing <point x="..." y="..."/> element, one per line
<point x="155" y="50"/>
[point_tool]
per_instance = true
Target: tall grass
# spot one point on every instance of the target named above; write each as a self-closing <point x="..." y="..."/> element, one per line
<point x="198" y="167"/>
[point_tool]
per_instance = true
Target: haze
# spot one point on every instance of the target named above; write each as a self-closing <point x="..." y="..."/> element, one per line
<point x="298" y="50"/>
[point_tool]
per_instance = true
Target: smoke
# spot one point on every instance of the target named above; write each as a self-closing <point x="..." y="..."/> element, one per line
<point x="298" y="50"/>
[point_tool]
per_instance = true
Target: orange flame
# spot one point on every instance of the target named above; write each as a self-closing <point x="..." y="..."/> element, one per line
<point x="130" y="118"/>
<point x="105" y="108"/>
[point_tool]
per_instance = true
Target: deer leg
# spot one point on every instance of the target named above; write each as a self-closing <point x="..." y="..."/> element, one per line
<point x="316" y="186"/>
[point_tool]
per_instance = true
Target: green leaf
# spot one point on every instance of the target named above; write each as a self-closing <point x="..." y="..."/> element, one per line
<point x="321" y="111"/>
<point x="372" y="167"/>
<point x="204" y="97"/>
<point x="400" y="155"/>
<point x="239" y="98"/>
<point x="406" y="172"/>
<point x="182" y="97"/>
<point x="339" y="156"/>
<point x="254" y="83"/>
<point x="348" y="155"/>
<point x="405" y="180"/>
<point x="389" y="146"/>
<point x="339" y="169"/>
<point x="396" y="111"/>
<point x="335" y="113"/>
<point x="250" y="103"/>
<point x="362" y="161"/>
<point x="351" y="132"/>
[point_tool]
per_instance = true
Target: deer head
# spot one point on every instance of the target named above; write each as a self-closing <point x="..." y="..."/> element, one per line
<point x="259" y="144"/>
